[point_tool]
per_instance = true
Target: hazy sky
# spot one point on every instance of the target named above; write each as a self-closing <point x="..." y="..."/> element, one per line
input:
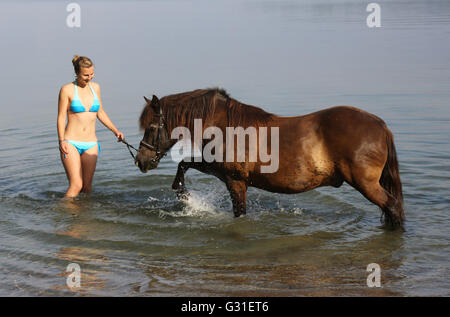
<point x="257" y="50"/>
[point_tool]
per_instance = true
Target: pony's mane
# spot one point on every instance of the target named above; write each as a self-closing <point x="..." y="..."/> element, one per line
<point x="181" y="109"/>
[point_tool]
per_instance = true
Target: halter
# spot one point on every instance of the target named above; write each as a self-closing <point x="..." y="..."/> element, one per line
<point x="156" y="149"/>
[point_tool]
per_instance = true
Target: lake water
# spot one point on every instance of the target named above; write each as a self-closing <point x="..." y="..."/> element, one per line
<point x="132" y="237"/>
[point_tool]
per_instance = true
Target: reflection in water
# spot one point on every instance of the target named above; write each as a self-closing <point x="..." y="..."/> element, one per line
<point x="91" y="261"/>
<point x="320" y="269"/>
<point x="68" y="205"/>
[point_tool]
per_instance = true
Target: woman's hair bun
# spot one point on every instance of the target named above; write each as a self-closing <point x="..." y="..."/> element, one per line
<point x="81" y="61"/>
<point x="75" y="58"/>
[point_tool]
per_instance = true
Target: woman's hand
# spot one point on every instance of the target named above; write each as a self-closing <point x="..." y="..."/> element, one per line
<point x="119" y="136"/>
<point x="63" y="147"/>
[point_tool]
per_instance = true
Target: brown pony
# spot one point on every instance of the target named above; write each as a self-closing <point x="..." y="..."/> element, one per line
<point x="324" y="148"/>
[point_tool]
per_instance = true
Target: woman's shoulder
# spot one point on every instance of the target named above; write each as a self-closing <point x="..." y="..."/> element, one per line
<point x="95" y="85"/>
<point x="67" y="88"/>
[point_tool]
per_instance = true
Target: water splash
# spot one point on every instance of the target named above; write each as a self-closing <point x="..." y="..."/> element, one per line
<point x="202" y="204"/>
<point x="150" y="199"/>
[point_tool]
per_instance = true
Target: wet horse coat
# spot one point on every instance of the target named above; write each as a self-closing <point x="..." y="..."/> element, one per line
<point x="324" y="148"/>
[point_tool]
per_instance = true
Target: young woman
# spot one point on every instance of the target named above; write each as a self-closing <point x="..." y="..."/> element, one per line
<point x="80" y="102"/>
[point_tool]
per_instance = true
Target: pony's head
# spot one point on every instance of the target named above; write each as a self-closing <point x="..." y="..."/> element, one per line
<point x="156" y="141"/>
<point x="178" y="110"/>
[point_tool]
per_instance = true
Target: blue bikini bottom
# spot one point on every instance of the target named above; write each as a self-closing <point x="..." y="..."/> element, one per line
<point x="84" y="146"/>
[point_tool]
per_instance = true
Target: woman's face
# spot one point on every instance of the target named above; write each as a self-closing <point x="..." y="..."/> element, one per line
<point x="86" y="74"/>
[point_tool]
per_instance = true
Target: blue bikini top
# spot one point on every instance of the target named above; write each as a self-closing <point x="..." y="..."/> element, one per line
<point x="77" y="106"/>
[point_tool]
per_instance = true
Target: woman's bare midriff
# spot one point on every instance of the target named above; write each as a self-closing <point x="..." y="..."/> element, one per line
<point x="81" y="127"/>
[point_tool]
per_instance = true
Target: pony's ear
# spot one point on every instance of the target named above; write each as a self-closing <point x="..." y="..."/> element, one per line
<point x="147" y="100"/>
<point x="155" y="102"/>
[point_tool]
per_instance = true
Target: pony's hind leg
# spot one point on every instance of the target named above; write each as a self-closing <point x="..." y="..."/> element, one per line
<point x="366" y="179"/>
<point x="375" y="193"/>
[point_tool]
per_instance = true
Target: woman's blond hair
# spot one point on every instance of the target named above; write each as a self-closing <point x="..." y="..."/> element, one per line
<point x="81" y="61"/>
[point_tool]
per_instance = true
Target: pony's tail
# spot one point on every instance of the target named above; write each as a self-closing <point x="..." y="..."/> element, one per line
<point x="390" y="180"/>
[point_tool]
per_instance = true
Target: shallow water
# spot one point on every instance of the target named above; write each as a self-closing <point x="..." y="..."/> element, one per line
<point x="132" y="236"/>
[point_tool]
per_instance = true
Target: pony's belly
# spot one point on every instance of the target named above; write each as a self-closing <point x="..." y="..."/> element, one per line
<point x="303" y="183"/>
<point x="294" y="180"/>
<point x="283" y="188"/>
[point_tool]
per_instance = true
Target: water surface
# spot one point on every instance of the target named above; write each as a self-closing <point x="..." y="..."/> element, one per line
<point x="132" y="237"/>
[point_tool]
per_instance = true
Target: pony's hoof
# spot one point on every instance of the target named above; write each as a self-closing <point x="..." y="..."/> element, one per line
<point x="183" y="195"/>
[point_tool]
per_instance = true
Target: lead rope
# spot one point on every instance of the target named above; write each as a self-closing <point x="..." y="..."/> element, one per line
<point x="128" y="146"/>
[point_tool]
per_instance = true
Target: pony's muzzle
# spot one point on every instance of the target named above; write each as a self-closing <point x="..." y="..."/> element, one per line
<point x="144" y="164"/>
<point x="138" y="163"/>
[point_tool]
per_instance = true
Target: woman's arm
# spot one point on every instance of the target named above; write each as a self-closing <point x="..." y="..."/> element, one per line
<point x="103" y="117"/>
<point x="63" y="101"/>
<point x="62" y="113"/>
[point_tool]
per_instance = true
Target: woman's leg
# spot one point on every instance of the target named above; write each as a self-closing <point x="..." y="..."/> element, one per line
<point x="72" y="166"/>
<point x="88" y="164"/>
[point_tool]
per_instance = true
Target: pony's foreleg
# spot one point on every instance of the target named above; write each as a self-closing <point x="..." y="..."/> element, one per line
<point x="238" y="193"/>
<point x="178" y="182"/>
